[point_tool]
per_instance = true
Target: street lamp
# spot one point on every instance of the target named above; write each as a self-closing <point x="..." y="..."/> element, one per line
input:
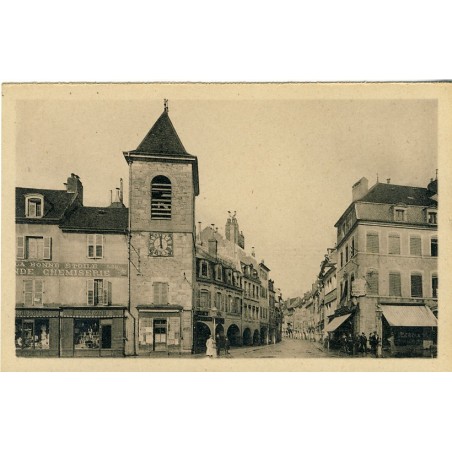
<point x="213" y="313"/>
<point x="379" y="314"/>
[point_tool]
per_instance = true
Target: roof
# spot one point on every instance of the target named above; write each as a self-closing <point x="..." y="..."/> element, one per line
<point x="398" y="194"/>
<point x="162" y="139"/>
<point x="108" y="219"/>
<point x="55" y="203"/>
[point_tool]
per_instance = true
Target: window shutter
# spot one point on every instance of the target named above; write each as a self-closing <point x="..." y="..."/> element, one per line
<point x="395" y="285"/>
<point x="164" y="287"/>
<point x="372" y="243"/>
<point x="110" y="295"/>
<point x="20" y="254"/>
<point x="47" y="247"/>
<point x="31" y="209"/>
<point x="28" y="291"/>
<point x="156" y="297"/>
<point x="90" y="292"/>
<point x="372" y="282"/>
<point x="394" y="244"/>
<point x="416" y="285"/>
<point x="37" y="295"/>
<point x="90" y="245"/>
<point x="99" y="238"/>
<point x="415" y="246"/>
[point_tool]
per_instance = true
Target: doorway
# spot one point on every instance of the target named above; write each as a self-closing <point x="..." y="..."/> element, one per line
<point x="160" y="334"/>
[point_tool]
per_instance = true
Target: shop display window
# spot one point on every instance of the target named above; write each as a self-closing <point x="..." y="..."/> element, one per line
<point x="86" y="334"/>
<point x="32" y="334"/>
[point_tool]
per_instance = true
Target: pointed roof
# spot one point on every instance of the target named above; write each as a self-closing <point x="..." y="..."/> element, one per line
<point x="162" y="139"/>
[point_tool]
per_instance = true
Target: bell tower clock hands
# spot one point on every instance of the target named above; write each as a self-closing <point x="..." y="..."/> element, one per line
<point x="161" y="244"/>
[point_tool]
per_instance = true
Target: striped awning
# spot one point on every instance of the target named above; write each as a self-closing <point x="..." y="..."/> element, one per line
<point x="336" y="323"/>
<point x="409" y="316"/>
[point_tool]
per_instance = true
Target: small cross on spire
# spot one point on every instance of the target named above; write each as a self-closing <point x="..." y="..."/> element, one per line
<point x="165" y="105"/>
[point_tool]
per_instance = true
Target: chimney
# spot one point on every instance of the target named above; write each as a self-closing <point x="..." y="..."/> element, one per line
<point x="252" y="252"/>
<point x="121" y="191"/>
<point x="74" y="185"/>
<point x="213" y="247"/>
<point x="360" y="189"/>
<point x="388" y="181"/>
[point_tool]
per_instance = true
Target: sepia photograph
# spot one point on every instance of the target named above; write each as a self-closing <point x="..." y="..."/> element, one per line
<point x="200" y="225"/>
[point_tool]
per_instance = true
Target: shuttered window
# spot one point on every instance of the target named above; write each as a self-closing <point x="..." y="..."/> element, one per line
<point x="373" y="245"/>
<point x="204" y="299"/>
<point x="435" y="286"/>
<point x="395" y="284"/>
<point x="160" y="293"/>
<point x="372" y="282"/>
<point x="394" y="244"/>
<point x="416" y="285"/>
<point x="98" y="292"/>
<point x="20" y="249"/>
<point x="33" y="291"/>
<point x="415" y="246"/>
<point x="434" y="246"/>
<point x="161" y="198"/>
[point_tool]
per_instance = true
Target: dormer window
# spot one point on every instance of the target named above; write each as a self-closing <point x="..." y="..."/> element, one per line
<point x="399" y="213"/>
<point x="218" y="273"/>
<point x="432" y="216"/>
<point x="34" y="206"/>
<point x="204" y="269"/>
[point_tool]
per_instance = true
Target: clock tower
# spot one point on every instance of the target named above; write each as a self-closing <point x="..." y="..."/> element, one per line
<point x="163" y="184"/>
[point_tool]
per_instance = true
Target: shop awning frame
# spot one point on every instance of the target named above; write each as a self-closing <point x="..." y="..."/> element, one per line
<point x="336" y="323"/>
<point x="409" y="316"/>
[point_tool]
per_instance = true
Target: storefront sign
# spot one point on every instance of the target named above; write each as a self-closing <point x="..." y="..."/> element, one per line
<point x="71" y="269"/>
<point x="35" y="313"/>
<point x="92" y="313"/>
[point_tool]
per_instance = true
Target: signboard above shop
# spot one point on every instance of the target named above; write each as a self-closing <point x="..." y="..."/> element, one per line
<point x="70" y="269"/>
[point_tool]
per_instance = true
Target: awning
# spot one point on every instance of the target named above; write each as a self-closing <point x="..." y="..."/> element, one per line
<point x="414" y="316"/>
<point x="336" y="323"/>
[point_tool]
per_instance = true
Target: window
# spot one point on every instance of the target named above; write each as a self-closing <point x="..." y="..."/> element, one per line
<point x="432" y="217"/>
<point x="415" y="246"/>
<point x="218" y="273"/>
<point x="346" y="253"/>
<point x="372" y="282"/>
<point x="218" y="301"/>
<point x="95" y="246"/>
<point x="394" y="244"/>
<point x="434" y="246"/>
<point x="434" y="286"/>
<point x="204" y="299"/>
<point x="99" y="292"/>
<point x="235" y="305"/>
<point x="395" y="285"/>
<point x="34" y="206"/>
<point x="34" y="248"/>
<point x="352" y="249"/>
<point x="204" y="269"/>
<point x="161" y="290"/>
<point x="342" y="259"/>
<point x="416" y="285"/>
<point x="161" y="198"/>
<point x="229" y="305"/>
<point x="32" y="334"/>
<point x="33" y="291"/>
<point x="372" y="243"/>
<point x="399" y="214"/>
<point x="229" y="276"/>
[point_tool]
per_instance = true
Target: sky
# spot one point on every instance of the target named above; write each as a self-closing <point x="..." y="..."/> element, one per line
<point x="285" y="165"/>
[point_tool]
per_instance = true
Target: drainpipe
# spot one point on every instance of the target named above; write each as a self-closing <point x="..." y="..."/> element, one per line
<point x="129" y="242"/>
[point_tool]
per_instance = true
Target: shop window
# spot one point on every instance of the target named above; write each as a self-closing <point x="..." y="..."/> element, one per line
<point x="86" y="334"/>
<point x="145" y="331"/>
<point x="32" y="334"/>
<point x="416" y="285"/>
<point x="161" y="198"/>
<point x="415" y="246"/>
<point x="34" y="206"/>
<point x="98" y="292"/>
<point x="95" y="246"/>
<point x="434" y="286"/>
<point x="372" y="282"/>
<point x="395" y="284"/>
<point x="434" y="246"/>
<point x="34" y="248"/>
<point x="161" y="290"/>
<point x="33" y="290"/>
<point x="372" y="243"/>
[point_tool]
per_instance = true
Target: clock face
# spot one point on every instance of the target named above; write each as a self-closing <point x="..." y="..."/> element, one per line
<point x="161" y="244"/>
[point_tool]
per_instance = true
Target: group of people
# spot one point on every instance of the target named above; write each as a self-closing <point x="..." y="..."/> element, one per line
<point x="214" y="347"/>
<point x="358" y="344"/>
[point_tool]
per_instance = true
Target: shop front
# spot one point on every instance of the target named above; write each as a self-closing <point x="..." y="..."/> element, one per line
<point x="160" y="329"/>
<point x="408" y="331"/>
<point x="93" y="332"/>
<point x="37" y="332"/>
<point x="339" y="327"/>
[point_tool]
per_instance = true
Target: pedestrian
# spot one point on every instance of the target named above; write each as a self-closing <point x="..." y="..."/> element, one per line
<point x="218" y="344"/>
<point x="210" y="347"/>
<point x="363" y="340"/>
<point x="378" y="346"/>
<point x="372" y="343"/>
<point x="349" y="343"/>
<point x="344" y="342"/>
<point x="226" y="343"/>
<point x="391" y="344"/>
<point x="356" y="344"/>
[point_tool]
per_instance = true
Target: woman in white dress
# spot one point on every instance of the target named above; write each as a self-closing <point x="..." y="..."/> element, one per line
<point x="210" y="345"/>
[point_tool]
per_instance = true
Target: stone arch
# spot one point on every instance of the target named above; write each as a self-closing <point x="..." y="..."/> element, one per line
<point x="234" y="335"/>
<point x="247" y="338"/>
<point x="202" y="332"/>
<point x="256" y="337"/>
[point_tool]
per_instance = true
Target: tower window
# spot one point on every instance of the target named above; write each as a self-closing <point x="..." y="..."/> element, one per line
<point x="161" y="198"/>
